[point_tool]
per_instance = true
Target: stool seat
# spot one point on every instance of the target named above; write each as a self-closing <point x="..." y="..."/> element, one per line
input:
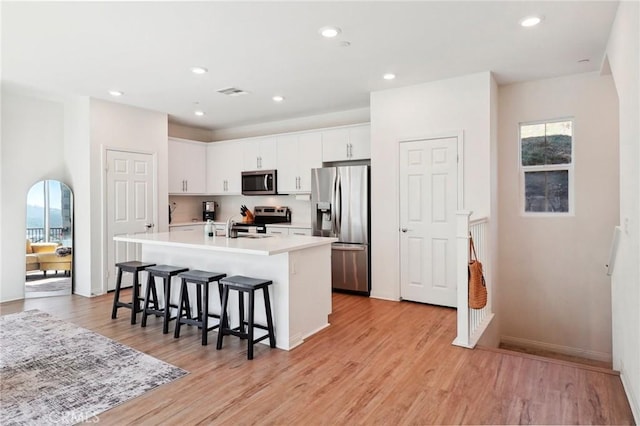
<point x="134" y="267"/>
<point x="201" y="279"/>
<point x="195" y="275"/>
<point x="247" y="285"/>
<point x="246" y="282"/>
<point x="166" y="272"/>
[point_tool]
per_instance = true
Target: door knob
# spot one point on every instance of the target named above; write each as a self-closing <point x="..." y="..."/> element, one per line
<point x="404" y="229"/>
<point x="148" y="225"/>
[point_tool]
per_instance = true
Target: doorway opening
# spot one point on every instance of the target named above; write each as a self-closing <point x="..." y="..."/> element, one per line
<point x="49" y="240"/>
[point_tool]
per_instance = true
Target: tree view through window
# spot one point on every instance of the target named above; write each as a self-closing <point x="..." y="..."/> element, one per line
<point x="546" y="162"/>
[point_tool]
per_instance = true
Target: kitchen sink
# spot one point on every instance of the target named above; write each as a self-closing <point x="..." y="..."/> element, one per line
<point x="247" y="235"/>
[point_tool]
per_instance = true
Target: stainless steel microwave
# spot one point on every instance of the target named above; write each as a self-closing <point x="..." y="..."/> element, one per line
<point x="259" y="182"/>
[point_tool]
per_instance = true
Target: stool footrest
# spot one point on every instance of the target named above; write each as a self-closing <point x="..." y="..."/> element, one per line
<point x="244" y="335"/>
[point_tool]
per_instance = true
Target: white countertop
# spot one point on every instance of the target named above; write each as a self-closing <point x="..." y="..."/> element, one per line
<point x="267" y="246"/>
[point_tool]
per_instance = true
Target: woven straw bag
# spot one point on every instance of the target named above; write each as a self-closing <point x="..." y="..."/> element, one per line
<point x="477" y="285"/>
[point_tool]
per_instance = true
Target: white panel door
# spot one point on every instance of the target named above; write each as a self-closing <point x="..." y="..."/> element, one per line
<point x="130" y="201"/>
<point x="428" y="202"/>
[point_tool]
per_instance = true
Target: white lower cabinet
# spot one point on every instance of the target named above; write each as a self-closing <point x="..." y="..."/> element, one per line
<point x="300" y="231"/>
<point x="280" y="230"/>
<point x="277" y="230"/>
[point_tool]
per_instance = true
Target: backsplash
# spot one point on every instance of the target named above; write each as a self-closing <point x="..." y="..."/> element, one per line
<point x="189" y="208"/>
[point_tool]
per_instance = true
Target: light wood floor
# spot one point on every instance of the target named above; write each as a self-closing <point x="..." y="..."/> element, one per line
<point x="379" y="362"/>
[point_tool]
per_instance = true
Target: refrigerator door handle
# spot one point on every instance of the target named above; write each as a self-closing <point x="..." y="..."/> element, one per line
<point x="338" y="205"/>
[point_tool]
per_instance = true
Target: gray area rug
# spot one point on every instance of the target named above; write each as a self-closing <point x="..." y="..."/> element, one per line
<point x="54" y="372"/>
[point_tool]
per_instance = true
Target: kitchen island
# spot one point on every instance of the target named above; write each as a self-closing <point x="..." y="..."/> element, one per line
<point x="299" y="266"/>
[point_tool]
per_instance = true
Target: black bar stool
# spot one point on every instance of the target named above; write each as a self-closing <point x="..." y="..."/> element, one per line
<point x="247" y="285"/>
<point x="133" y="267"/>
<point x="166" y="272"/>
<point x="202" y="279"/>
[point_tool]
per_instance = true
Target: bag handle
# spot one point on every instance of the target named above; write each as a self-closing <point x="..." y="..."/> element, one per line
<point x="472" y="249"/>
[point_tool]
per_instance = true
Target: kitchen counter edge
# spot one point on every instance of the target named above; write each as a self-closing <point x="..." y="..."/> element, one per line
<point x="256" y="246"/>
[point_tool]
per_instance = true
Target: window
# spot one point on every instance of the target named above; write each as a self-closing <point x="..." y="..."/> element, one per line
<point x="546" y="163"/>
<point x="49" y="212"/>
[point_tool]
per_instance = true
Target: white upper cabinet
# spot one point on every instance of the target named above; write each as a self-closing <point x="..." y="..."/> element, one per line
<point x="224" y="165"/>
<point x="347" y="143"/>
<point x="297" y="155"/>
<point x="259" y="153"/>
<point x="187" y="167"/>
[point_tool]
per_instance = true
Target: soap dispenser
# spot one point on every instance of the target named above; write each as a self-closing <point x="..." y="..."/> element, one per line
<point x="208" y="228"/>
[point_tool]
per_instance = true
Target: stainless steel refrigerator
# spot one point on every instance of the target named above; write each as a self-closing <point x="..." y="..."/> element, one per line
<point x="340" y="208"/>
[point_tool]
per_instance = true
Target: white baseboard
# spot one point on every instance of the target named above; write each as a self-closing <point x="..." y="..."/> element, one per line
<point x="382" y="297"/>
<point x="566" y="350"/>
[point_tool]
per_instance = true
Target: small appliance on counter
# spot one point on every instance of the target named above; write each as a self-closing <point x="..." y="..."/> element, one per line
<point x="208" y="210"/>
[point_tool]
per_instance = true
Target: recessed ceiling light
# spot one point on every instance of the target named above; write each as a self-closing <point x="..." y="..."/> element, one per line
<point x="329" y="32"/>
<point x="199" y="113"/>
<point x="116" y="93"/>
<point x="389" y="76"/>
<point x="278" y="98"/>
<point x="199" y="70"/>
<point x="530" y="21"/>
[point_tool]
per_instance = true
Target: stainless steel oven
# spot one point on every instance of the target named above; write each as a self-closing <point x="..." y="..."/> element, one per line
<point x="259" y="182"/>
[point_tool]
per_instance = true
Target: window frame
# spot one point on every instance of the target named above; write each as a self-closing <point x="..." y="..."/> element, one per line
<point x="570" y="167"/>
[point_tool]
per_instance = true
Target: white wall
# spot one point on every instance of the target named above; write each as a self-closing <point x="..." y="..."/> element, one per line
<point x="123" y="127"/>
<point x="432" y="109"/>
<point x="193" y="133"/>
<point x="623" y="53"/>
<point x="30" y="153"/>
<point x="339" y="118"/>
<point x="554" y="292"/>
<point x="76" y="154"/>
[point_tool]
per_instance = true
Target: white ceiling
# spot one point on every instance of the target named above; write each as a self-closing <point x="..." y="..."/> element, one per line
<point x="146" y="50"/>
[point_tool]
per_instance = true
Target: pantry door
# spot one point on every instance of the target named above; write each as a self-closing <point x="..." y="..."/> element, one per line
<point x="428" y="203"/>
<point x="129" y="204"/>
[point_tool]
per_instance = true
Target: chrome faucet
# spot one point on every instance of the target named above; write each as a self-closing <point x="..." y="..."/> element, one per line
<point x="231" y="233"/>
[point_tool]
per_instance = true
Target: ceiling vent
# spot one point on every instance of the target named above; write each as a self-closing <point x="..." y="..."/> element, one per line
<point x="232" y="91"/>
